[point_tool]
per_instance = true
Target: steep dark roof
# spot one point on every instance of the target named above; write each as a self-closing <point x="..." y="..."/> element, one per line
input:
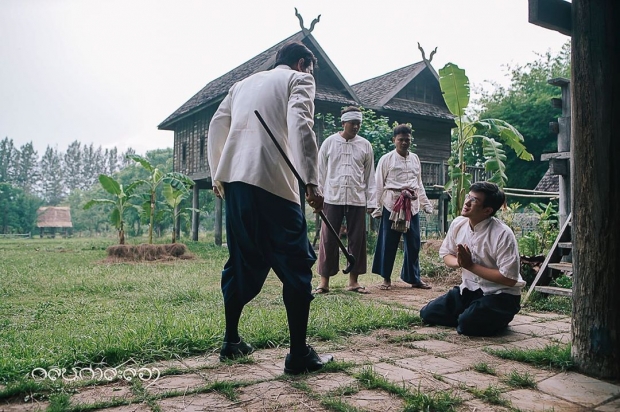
<point x="216" y="90"/>
<point x="548" y="183"/>
<point x="379" y="92"/>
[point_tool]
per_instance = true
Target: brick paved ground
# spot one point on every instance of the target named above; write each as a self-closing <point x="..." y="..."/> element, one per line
<point x="441" y="362"/>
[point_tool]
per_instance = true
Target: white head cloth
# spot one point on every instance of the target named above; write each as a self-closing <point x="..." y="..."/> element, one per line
<point x="348" y="116"/>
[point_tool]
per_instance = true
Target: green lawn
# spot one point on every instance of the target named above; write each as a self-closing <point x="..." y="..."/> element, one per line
<point x="61" y="306"/>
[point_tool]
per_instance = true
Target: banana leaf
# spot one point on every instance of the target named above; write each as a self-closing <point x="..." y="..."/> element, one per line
<point x="455" y="88"/>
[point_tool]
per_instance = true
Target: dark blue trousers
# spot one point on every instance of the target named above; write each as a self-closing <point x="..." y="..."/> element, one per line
<point x="472" y="313"/>
<point x="265" y="231"/>
<point x="387" y="245"/>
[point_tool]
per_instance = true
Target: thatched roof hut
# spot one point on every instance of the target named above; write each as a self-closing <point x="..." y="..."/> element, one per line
<point x="51" y="216"/>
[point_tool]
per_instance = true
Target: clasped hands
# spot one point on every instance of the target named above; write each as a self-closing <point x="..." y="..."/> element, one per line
<point x="463" y="256"/>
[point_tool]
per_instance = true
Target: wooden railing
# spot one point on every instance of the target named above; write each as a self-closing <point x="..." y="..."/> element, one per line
<point x="436" y="173"/>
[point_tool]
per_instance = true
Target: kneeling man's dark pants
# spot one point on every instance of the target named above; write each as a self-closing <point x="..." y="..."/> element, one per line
<point x="473" y="313"/>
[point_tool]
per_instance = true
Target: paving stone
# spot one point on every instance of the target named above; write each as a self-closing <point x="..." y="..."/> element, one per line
<point x="203" y="402"/>
<point x="168" y="364"/>
<point x="431" y="330"/>
<point x="476" y="405"/>
<point x="557" y="326"/>
<point x="240" y="372"/>
<point x="549" y="315"/>
<point x="505" y="367"/>
<point x="612" y="406"/>
<point x="472" y="356"/>
<point x="394" y="373"/>
<point x="328" y="382"/>
<point x="201" y="362"/>
<point x="23" y="406"/>
<point x="579" y="388"/>
<point x="473" y="379"/>
<point x="432" y="364"/>
<point x="395" y="351"/>
<point x="533" y="329"/>
<point x="436" y="346"/>
<point x="374" y="401"/>
<point x="273" y="395"/>
<point x="102" y="393"/>
<point x="176" y="383"/>
<point x="359" y="356"/>
<point x="429" y="383"/>
<point x="509" y="335"/>
<point x="274" y="355"/>
<point x="532" y="343"/>
<point x="271" y="368"/>
<point x="521" y="319"/>
<point x="139" y="407"/>
<point x="560" y="338"/>
<point x="531" y="400"/>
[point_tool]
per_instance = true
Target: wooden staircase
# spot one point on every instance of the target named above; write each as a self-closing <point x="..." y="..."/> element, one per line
<point x="556" y="263"/>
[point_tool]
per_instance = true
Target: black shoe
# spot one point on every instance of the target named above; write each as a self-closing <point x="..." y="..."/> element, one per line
<point x="312" y="362"/>
<point x="235" y="350"/>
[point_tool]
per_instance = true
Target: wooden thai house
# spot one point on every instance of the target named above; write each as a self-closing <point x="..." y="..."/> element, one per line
<point x="407" y="95"/>
<point x="412" y="95"/>
<point x="52" y="219"/>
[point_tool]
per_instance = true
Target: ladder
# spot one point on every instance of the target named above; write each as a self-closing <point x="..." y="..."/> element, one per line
<point x="556" y="262"/>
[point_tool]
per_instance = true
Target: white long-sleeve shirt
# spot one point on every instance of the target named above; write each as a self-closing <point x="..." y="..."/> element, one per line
<point x="396" y="173"/>
<point x="492" y="245"/>
<point x="239" y="148"/>
<point x="347" y="171"/>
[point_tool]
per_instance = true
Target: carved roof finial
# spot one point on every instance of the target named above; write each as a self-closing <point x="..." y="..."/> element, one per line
<point x="301" y="22"/>
<point x="424" y="56"/>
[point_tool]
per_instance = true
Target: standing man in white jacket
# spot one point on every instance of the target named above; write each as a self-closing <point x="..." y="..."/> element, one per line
<point x="265" y="228"/>
<point x="347" y="180"/>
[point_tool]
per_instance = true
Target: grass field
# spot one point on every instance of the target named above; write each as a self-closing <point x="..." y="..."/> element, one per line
<point x="62" y="306"/>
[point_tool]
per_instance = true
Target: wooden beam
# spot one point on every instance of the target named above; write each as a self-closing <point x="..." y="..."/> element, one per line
<point x="559" y="167"/>
<point x="551" y="14"/>
<point x="559" y="155"/>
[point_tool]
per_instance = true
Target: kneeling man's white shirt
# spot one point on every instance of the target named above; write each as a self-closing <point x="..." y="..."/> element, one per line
<point x="493" y="245"/>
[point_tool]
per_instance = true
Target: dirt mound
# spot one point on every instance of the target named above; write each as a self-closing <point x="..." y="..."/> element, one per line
<point x="147" y="252"/>
<point x="433" y="244"/>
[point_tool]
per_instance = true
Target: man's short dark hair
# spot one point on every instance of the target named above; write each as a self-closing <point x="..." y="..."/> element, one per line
<point x="494" y="197"/>
<point x="291" y="52"/>
<point x="402" y="129"/>
<point x="350" y="109"/>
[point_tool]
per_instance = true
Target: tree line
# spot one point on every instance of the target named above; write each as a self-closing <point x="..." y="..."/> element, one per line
<point x="54" y="175"/>
<point x="28" y="181"/>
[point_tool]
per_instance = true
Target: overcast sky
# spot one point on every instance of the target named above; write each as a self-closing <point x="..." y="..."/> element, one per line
<point x="109" y="71"/>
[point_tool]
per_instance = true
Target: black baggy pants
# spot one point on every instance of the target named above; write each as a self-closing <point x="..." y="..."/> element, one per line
<point x="472" y="313"/>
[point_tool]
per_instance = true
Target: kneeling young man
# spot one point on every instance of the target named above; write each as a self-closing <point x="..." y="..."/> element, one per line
<point x="486" y="251"/>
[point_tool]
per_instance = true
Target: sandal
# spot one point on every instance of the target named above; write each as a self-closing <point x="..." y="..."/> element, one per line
<point x="358" y="289"/>
<point x="385" y="287"/>
<point x="320" y="291"/>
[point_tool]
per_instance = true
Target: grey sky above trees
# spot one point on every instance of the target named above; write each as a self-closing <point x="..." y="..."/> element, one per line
<point x="107" y="72"/>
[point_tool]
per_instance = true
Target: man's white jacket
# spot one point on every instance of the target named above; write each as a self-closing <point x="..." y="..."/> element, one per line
<point x="347" y="171"/>
<point x="239" y="148"/>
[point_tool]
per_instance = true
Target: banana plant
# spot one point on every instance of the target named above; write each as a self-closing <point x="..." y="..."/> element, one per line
<point x="120" y="204"/>
<point x="173" y="198"/>
<point x="454" y="85"/>
<point x="156" y="178"/>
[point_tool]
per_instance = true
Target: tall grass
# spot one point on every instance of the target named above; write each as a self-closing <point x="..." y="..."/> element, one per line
<point x="61" y="306"/>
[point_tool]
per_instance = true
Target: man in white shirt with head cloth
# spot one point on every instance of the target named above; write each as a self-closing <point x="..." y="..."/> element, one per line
<point x="347" y="180"/>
